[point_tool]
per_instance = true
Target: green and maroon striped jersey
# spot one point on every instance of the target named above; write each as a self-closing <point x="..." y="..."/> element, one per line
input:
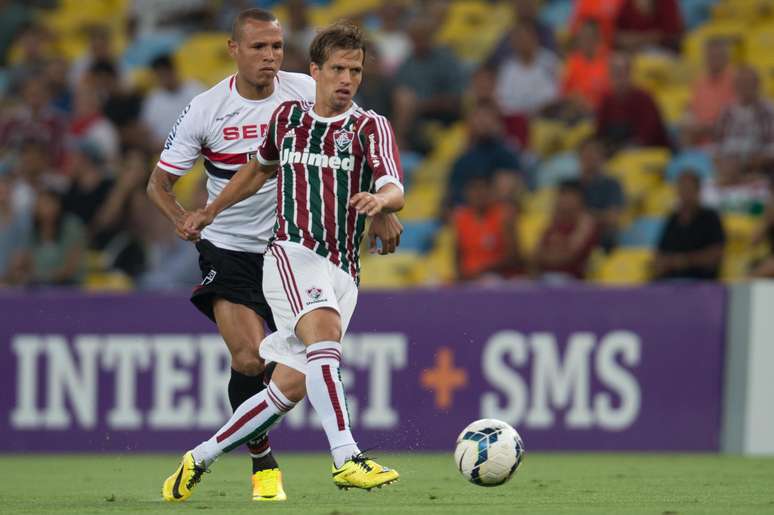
<point x="323" y="162"/>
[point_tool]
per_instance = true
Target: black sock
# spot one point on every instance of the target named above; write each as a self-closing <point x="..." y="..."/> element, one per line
<point x="240" y="388"/>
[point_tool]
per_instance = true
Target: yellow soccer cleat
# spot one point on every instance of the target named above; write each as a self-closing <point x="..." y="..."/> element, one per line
<point x="178" y="486"/>
<point x="363" y="472"/>
<point x="267" y="486"/>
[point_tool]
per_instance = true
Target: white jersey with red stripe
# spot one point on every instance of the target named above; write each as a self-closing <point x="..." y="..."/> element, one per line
<point x="225" y="129"/>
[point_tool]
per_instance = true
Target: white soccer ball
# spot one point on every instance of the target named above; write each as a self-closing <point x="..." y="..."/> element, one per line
<point x="488" y="452"/>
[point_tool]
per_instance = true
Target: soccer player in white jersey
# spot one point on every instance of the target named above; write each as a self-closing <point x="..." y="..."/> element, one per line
<point x="336" y="165"/>
<point x="225" y="125"/>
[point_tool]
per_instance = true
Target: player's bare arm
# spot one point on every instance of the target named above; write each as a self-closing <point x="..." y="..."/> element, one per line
<point x="160" y="190"/>
<point x="246" y="182"/>
<point x="389" y="199"/>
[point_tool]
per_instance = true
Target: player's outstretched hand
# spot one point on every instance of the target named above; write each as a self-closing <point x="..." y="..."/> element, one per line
<point x="388" y="229"/>
<point x="366" y="203"/>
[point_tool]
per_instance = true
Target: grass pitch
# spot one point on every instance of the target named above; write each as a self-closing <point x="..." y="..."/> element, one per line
<point x="546" y="483"/>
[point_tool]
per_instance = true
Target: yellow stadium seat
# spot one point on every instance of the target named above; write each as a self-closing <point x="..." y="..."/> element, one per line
<point x="204" y="57"/>
<point x="653" y="71"/>
<point x="388" y="272"/>
<point x="673" y="102"/>
<point x="740" y="230"/>
<point x="744" y="10"/>
<point x="107" y="281"/>
<point x="625" y="266"/>
<point x="540" y="202"/>
<point x="438" y="266"/>
<point x="423" y="201"/>
<point x="736" y="265"/>
<point x="530" y="227"/>
<point x="472" y="28"/>
<point x="546" y="137"/>
<point x="574" y="136"/>
<point x="659" y="201"/>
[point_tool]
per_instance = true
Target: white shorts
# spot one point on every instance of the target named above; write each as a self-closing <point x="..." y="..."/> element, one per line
<point x="296" y="281"/>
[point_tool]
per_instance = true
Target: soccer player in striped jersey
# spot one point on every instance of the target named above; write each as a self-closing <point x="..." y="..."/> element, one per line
<point x="336" y="165"/>
<point x="224" y="125"/>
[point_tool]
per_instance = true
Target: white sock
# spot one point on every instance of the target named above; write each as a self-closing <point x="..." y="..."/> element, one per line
<point x="326" y="393"/>
<point x="252" y="419"/>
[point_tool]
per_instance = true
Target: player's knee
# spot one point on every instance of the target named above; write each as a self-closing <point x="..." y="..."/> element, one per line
<point x="246" y="361"/>
<point x="295" y="392"/>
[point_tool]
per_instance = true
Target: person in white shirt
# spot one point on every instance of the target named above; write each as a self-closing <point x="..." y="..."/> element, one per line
<point x="225" y="125"/>
<point x="166" y="101"/>
<point x="527" y="82"/>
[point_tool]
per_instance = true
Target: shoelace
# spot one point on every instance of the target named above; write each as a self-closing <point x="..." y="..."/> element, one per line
<point x="197" y="476"/>
<point x="361" y="459"/>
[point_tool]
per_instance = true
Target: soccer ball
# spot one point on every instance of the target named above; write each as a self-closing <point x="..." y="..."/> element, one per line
<point x="488" y="452"/>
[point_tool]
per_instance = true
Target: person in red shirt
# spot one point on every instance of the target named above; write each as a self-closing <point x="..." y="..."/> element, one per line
<point x="604" y="12"/>
<point x="485" y="231"/>
<point x="628" y="115"/>
<point x="567" y="243"/>
<point x="649" y="23"/>
<point x="586" y="75"/>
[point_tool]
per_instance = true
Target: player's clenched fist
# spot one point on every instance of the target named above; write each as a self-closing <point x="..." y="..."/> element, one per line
<point x="197" y="221"/>
<point x="367" y="203"/>
<point x="388" y="229"/>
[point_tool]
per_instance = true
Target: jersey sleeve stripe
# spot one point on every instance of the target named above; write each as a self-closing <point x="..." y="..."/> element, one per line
<point x="231" y="82"/>
<point x="164" y="165"/>
<point x="386" y="146"/>
<point x="225" y="158"/>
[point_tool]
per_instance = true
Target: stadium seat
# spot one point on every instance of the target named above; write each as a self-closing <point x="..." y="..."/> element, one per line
<point x="643" y="232"/>
<point x="673" y="102"/>
<point x="540" y="202"/>
<point x="693" y="43"/>
<point x="473" y="28"/>
<point x="556" y="169"/>
<point x="142" y="51"/>
<point x="694" y="159"/>
<point x="418" y="235"/>
<point x="530" y="227"/>
<point x="740" y="230"/>
<point x="388" y="272"/>
<point x="625" y="266"/>
<point x="107" y="281"/>
<point x="659" y="201"/>
<point x="204" y="57"/>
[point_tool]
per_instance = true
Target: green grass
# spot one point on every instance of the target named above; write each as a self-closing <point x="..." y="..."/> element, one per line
<point x="546" y="483"/>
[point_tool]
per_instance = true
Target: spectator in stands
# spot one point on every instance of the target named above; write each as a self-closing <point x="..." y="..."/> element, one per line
<point x="691" y="246"/>
<point x="602" y="194"/>
<point x="164" y="103"/>
<point x="628" y="115"/>
<point x="604" y="12"/>
<point x="34" y="119"/>
<point x="566" y="245"/>
<point x="732" y="190"/>
<point x="429" y="85"/>
<point x="297" y="60"/>
<point x="168" y="261"/>
<point x="587" y="70"/>
<point x="90" y="184"/>
<point x="54" y="256"/>
<point x="485" y="232"/>
<point x="647" y="24"/>
<point x="712" y="93"/>
<point x="527" y="82"/>
<point x="298" y="31"/>
<point x="391" y="40"/>
<point x="34" y="42"/>
<point x="746" y="128"/>
<point x="56" y="75"/>
<point x="487" y="155"/>
<point x="524" y="12"/>
<point x="15" y="225"/>
<point x="376" y="92"/>
<point x="89" y="125"/>
<point x="121" y="105"/>
<point x="100" y="50"/>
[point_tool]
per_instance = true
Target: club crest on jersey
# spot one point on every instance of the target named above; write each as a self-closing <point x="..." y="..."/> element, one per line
<point x="343" y="139"/>
<point x="314" y="293"/>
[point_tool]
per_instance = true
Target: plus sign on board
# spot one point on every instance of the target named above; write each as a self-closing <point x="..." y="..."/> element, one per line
<point x="444" y="378"/>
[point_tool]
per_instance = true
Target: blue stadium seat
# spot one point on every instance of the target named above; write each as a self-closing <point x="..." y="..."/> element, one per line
<point x="556" y="14"/>
<point x="643" y="232"/>
<point x="418" y="235"/>
<point x="696" y="12"/>
<point x="554" y="170"/>
<point x="144" y="50"/>
<point x="697" y="160"/>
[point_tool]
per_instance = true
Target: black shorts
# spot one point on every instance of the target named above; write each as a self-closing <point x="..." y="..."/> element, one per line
<point x="232" y="275"/>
